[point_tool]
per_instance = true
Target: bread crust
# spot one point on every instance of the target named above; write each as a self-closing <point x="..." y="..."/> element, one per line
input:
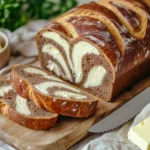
<point x="40" y="123"/>
<point x="72" y="108"/>
<point x="131" y="77"/>
<point x="147" y="2"/>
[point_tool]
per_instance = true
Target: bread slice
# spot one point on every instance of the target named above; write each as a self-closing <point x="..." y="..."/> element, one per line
<point x="23" y="111"/>
<point x="52" y="93"/>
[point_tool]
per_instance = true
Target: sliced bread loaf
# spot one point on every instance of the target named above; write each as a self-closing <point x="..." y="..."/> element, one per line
<point x="52" y="93"/>
<point x="103" y="47"/>
<point x="23" y="111"/>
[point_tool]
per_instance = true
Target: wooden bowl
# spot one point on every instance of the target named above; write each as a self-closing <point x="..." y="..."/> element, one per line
<point x="5" y="51"/>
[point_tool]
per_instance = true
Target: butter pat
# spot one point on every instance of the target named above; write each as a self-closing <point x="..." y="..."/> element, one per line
<point x="1" y="47"/>
<point x="140" y="135"/>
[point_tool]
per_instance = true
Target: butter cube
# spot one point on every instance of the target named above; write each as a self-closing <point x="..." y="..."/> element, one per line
<point x="0" y="47"/>
<point x="140" y="135"/>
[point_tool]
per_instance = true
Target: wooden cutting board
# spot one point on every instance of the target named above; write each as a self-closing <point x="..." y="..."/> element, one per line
<point x="68" y="131"/>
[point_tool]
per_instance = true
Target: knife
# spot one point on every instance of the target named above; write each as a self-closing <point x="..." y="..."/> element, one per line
<point x="122" y="114"/>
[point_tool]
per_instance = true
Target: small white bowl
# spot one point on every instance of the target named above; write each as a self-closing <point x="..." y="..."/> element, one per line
<point x="5" y="51"/>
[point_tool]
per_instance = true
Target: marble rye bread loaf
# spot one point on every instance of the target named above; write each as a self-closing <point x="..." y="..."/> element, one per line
<point x="103" y="47"/>
<point x="49" y="92"/>
<point x="23" y="111"/>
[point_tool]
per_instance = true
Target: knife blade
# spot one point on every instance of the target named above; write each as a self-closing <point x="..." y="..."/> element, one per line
<point x="122" y="114"/>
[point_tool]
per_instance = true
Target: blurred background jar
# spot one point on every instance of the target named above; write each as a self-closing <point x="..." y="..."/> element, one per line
<point x="4" y="50"/>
